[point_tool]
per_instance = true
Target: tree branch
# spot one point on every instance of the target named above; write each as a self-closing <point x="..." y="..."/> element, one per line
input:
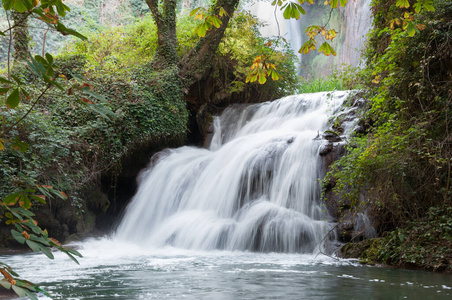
<point x="28" y="112"/>
<point x="154" y="7"/>
<point x="196" y="65"/>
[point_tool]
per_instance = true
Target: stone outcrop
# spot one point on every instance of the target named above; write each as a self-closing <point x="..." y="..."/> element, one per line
<point x="352" y="226"/>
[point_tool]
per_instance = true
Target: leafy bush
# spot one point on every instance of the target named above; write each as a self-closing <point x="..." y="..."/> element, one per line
<point x="403" y="166"/>
<point x="425" y="243"/>
<point x="331" y="83"/>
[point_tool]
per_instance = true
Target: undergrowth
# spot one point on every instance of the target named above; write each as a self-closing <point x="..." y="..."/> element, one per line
<point x="400" y="171"/>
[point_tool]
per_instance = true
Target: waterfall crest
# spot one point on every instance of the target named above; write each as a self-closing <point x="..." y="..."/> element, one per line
<point x="256" y="188"/>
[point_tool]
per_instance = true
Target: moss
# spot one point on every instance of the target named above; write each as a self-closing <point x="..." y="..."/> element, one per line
<point x="422" y="244"/>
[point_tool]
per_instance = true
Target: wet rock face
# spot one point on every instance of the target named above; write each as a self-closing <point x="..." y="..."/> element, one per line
<point x="345" y="123"/>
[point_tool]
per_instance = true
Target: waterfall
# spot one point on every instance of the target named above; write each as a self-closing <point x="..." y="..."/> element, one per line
<point x="256" y="188"/>
<point x="352" y="22"/>
<point x="358" y="21"/>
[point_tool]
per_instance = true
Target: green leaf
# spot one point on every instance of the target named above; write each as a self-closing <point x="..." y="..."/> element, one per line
<point x="25" y="202"/>
<point x="307" y="46"/>
<point x="417" y="7"/>
<point x="104" y="112"/>
<point x="5" y="283"/>
<point x="39" y="199"/>
<point x="72" y="251"/>
<point x="403" y="3"/>
<point x="12" y="272"/>
<point x="292" y="11"/>
<point x="201" y="29"/>
<point x="8" y="4"/>
<point x="24" y="212"/>
<point x="39" y="239"/>
<point x="65" y="31"/>
<point x="11" y="199"/>
<point x="17" y="236"/>
<point x="73" y="258"/>
<point x="334" y="3"/>
<point x="429" y="7"/>
<point x="262" y="79"/>
<point x="343" y="3"/>
<point x="46" y="251"/>
<point x="49" y="58"/>
<point x="4" y="80"/>
<point x="60" y="9"/>
<point x="20" y="6"/>
<point x="216" y="22"/>
<point x="327" y="49"/>
<point x="223" y="12"/>
<point x="195" y="11"/>
<point x="13" y="99"/>
<point x="410" y="29"/>
<point x="19" y="145"/>
<point x="31" y="295"/>
<point x="33" y="246"/>
<point x="3" y="90"/>
<point x="19" y="291"/>
<point x="96" y="96"/>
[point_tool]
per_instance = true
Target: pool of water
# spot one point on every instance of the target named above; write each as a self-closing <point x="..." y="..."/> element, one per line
<point x="115" y="270"/>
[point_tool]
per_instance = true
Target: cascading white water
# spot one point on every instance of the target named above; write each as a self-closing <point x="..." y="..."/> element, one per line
<point x="256" y="188"/>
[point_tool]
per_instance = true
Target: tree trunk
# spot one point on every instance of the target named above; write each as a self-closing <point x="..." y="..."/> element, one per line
<point x="165" y="19"/>
<point x="196" y="66"/>
<point x="20" y="36"/>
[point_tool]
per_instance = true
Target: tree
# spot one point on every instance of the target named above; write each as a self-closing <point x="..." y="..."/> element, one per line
<point x="194" y="68"/>
<point x="24" y="192"/>
<point x="20" y="35"/>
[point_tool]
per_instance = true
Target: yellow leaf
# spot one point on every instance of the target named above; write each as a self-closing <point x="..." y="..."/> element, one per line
<point x="199" y="16"/>
<point x="376" y="80"/>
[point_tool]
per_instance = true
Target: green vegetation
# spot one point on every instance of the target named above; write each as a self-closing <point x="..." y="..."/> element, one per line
<point x="117" y="51"/>
<point x="22" y="191"/>
<point x="424" y="243"/>
<point x="333" y="82"/>
<point x="401" y="169"/>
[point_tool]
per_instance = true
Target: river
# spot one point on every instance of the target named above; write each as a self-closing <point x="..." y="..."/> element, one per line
<point x="115" y="270"/>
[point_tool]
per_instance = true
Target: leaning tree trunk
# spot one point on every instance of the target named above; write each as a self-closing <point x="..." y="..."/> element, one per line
<point x="197" y="65"/>
<point x="194" y="69"/>
<point x="20" y="36"/>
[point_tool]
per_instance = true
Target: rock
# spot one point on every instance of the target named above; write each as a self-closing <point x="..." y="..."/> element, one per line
<point x="325" y="149"/>
<point x="354" y="250"/>
<point x="331" y="136"/>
